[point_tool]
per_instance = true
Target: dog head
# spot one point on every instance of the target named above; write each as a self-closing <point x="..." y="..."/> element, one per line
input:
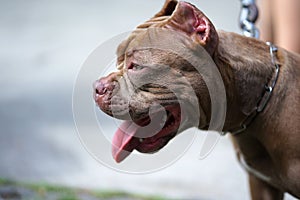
<point x="157" y="90"/>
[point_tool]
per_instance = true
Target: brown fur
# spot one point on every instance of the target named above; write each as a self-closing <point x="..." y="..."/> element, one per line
<point x="270" y="145"/>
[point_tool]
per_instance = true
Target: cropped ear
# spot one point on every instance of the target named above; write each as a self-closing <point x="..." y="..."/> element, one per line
<point x="192" y="21"/>
<point x="167" y="8"/>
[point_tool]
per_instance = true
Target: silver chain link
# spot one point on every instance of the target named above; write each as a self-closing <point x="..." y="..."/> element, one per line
<point x="248" y="17"/>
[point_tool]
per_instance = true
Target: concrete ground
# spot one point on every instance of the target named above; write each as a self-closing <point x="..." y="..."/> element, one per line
<point x="43" y="45"/>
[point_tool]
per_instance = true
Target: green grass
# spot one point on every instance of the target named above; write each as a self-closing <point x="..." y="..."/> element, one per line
<point x="110" y="194"/>
<point x="4" y="181"/>
<point x="41" y="191"/>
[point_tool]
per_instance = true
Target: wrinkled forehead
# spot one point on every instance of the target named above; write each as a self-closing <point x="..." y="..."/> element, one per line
<point x="159" y="45"/>
<point x="156" y="38"/>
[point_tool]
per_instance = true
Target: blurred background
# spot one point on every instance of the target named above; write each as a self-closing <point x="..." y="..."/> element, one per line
<point x="43" y="45"/>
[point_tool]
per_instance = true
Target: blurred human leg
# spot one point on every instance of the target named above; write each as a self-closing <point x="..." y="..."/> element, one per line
<point x="287" y="25"/>
<point x="279" y="23"/>
<point x="264" y="21"/>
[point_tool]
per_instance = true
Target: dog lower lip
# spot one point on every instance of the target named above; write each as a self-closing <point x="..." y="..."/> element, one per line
<point x="152" y="145"/>
<point x="169" y="130"/>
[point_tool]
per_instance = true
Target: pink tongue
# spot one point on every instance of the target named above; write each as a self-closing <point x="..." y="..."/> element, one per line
<point x="124" y="141"/>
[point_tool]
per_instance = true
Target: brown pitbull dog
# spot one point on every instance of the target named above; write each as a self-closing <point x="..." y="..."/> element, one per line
<point x="262" y="92"/>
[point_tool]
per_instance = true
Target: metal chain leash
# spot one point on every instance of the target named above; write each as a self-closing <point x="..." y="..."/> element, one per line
<point x="248" y="17"/>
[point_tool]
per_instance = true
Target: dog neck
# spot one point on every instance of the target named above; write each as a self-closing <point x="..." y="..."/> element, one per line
<point x="246" y="67"/>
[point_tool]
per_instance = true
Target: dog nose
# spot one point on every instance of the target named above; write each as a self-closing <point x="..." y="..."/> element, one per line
<point x="102" y="86"/>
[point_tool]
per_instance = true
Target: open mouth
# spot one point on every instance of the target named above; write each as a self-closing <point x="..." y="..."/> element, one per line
<point x="143" y="137"/>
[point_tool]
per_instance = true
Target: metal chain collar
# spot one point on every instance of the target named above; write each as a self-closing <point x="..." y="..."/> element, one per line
<point x="266" y="96"/>
<point x="248" y="17"/>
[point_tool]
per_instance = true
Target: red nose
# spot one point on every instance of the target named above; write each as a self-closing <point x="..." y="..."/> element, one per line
<point x="103" y="91"/>
<point x="103" y="86"/>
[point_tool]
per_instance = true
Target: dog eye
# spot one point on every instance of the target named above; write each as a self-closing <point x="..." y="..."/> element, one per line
<point x="135" y="67"/>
